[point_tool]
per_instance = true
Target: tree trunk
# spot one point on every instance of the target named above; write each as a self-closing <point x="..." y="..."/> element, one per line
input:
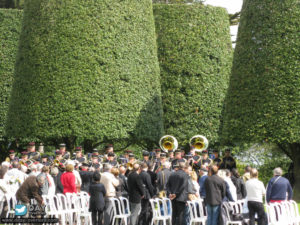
<point x="295" y="150"/>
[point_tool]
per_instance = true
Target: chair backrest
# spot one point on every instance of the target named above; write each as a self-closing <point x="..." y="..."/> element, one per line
<point x="155" y="207"/>
<point x="191" y="210"/>
<point x="11" y="201"/>
<point x="294" y="209"/>
<point x="125" y="206"/>
<point x="116" y="206"/>
<point x="198" y="208"/>
<point x="168" y="206"/>
<point x="64" y="201"/>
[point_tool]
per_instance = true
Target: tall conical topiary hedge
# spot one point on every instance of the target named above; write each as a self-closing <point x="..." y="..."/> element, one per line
<point x="10" y="28"/>
<point x="87" y="69"/>
<point x="195" y="54"/>
<point x="263" y="100"/>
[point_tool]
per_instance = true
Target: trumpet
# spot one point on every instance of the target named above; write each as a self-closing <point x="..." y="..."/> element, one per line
<point x="129" y="166"/>
<point x="199" y="142"/>
<point x="168" y="143"/>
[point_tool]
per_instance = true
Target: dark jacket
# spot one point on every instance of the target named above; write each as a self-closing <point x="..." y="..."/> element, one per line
<point x="162" y="179"/>
<point x="135" y="187"/>
<point x="240" y="187"/>
<point x="277" y="189"/>
<point x="153" y="176"/>
<point x="215" y="190"/>
<point x="86" y="178"/>
<point x="202" y="187"/>
<point x="178" y="185"/>
<point x="97" y="192"/>
<point x="29" y="190"/>
<point x="149" y="189"/>
<point x="59" y="187"/>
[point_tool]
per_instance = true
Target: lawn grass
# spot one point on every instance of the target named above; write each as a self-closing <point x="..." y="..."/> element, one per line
<point x="299" y="206"/>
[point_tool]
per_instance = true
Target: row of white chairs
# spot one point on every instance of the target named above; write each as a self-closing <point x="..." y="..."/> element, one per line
<point x="71" y="208"/>
<point x="121" y="210"/>
<point x="162" y="211"/>
<point x="198" y="214"/>
<point x="285" y="212"/>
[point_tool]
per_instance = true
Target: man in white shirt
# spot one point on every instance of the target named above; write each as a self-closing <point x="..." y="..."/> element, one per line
<point x="255" y="192"/>
<point x="14" y="177"/>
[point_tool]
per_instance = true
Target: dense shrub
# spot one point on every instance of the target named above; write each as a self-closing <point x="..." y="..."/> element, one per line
<point x="264" y="95"/>
<point x="195" y="54"/>
<point x="10" y="27"/>
<point x="87" y="69"/>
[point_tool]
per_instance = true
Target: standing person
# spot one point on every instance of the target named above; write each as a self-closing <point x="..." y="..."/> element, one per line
<point x="162" y="179"/>
<point x="86" y="177"/>
<point x="136" y="193"/>
<point x="228" y="161"/>
<point x="177" y="187"/>
<point x="97" y="192"/>
<point x="45" y="188"/>
<point x="215" y="192"/>
<point x="144" y="218"/>
<point x="279" y="188"/>
<point x="246" y="175"/>
<point x="15" y="177"/>
<point x="68" y="180"/>
<point x="56" y="175"/>
<point x="255" y="192"/>
<point x="203" y="175"/>
<point x="110" y="183"/>
<point x="239" y="184"/>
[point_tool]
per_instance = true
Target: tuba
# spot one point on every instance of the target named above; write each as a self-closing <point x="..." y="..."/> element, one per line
<point x="199" y="142"/>
<point x="168" y="143"/>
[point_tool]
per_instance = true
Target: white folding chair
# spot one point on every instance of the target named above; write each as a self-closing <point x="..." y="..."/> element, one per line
<point x="196" y="212"/>
<point x="65" y="206"/>
<point x="11" y="205"/>
<point x="81" y="202"/>
<point x="294" y="212"/>
<point x="117" y="209"/>
<point x="51" y="210"/>
<point x="229" y="221"/>
<point x="157" y="216"/>
<point x="168" y="208"/>
<point x="125" y="206"/>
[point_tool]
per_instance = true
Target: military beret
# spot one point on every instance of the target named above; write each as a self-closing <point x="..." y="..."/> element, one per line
<point x="78" y="149"/>
<point x="131" y="155"/>
<point x="62" y="145"/>
<point x="157" y="150"/>
<point x="31" y="144"/>
<point x="24" y="153"/>
<point x="94" y="155"/>
<point x="204" y="152"/>
<point x="58" y="152"/>
<point x="111" y="154"/>
<point x="12" y="151"/>
<point x="146" y="153"/>
<point x="163" y="155"/>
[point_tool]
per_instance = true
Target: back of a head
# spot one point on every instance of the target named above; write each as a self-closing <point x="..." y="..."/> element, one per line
<point x="144" y="166"/>
<point x="228" y="173"/>
<point x="254" y="173"/>
<point x="115" y="171"/>
<point x="69" y="168"/>
<point x="277" y="171"/>
<point x="45" y="169"/>
<point x="194" y="176"/>
<point x="3" y="170"/>
<point x="54" y="171"/>
<point x="214" y="170"/>
<point x="136" y="167"/>
<point x="248" y="169"/>
<point x="41" y="179"/>
<point x="107" y="167"/>
<point x="96" y="176"/>
<point x="166" y="164"/>
<point x="235" y="173"/>
<point x="181" y="165"/>
<point x="15" y="165"/>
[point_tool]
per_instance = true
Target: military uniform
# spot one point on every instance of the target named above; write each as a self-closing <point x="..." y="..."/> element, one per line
<point x="196" y="163"/>
<point x="175" y="162"/>
<point x="228" y="163"/>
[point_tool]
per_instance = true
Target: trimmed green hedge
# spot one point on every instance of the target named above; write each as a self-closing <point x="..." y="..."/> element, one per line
<point x="10" y="28"/>
<point x="195" y="55"/>
<point x="263" y="101"/>
<point x="87" y="69"/>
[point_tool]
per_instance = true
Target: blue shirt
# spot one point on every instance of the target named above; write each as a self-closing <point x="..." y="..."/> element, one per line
<point x="277" y="189"/>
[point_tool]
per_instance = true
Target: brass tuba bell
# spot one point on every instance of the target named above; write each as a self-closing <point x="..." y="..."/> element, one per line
<point x="199" y="142"/>
<point x="168" y="143"/>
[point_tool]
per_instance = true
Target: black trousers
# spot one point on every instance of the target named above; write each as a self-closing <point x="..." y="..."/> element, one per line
<point x="97" y="217"/>
<point x="257" y="207"/>
<point x="178" y="212"/>
<point x="145" y="215"/>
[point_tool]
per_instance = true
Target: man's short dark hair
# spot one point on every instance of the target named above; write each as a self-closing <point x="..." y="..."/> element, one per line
<point x="214" y="169"/>
<point x="96" y="176"/>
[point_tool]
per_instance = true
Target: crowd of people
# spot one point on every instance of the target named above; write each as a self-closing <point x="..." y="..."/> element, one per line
<point x="176" y="175"/>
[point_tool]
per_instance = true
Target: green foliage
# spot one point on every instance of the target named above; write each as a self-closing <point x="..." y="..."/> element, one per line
<point x="195" y="54"/>
<point x="10" y="28"/>
<point x="87" y="70"/>
<point x="263" y="101"/>
<point x="14" y="4"/>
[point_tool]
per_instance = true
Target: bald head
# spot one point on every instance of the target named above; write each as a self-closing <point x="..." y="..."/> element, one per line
<point x="254" y="173"/>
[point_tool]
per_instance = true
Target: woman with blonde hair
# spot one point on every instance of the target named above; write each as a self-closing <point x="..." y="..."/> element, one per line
<point x="68" y="180"/>
<point x="195" y="183"/>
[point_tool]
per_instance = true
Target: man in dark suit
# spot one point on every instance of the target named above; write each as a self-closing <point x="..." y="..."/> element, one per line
<point x="136" y="192"/>
<point x="86" y="177"/>
<point x="144" y="218"/>
<point x="97" y="192"/>
<point x="215" y="188"/>
<point x="177" y="187"/>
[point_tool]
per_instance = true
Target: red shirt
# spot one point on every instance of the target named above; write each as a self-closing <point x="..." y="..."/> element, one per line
<point x="68" y="181"/>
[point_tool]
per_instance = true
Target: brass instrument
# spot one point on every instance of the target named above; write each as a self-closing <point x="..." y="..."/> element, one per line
<point x="168" y="143"/>
<point x="129" y="166"/>
<point x="199" y="142"/>
<point x="56" y="162"/>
